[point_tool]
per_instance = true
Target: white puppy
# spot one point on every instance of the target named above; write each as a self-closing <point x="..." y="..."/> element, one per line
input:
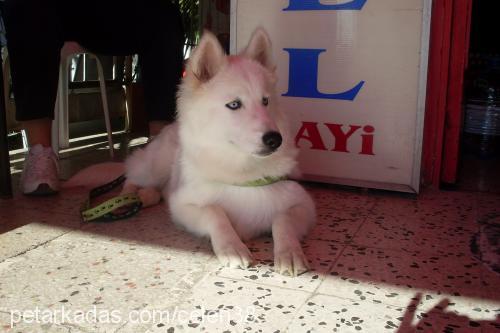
<point x="222" y="166"/>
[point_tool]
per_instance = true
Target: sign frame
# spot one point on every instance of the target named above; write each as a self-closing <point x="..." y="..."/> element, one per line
<point x="415" y="182"/>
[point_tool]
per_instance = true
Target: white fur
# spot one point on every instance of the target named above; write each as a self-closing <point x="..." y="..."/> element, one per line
<point x="198" y="162"/>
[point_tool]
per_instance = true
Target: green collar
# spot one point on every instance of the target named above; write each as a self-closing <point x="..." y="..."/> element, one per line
<point x="267" y="180"/>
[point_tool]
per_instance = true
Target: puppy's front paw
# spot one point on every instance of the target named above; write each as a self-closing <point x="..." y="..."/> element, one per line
<point x="149" y="196"/>
<point x="233" y="254"/>
<point x="290" y="260"/>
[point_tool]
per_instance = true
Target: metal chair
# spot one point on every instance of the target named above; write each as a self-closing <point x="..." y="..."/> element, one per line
<point x="60" y="125"/>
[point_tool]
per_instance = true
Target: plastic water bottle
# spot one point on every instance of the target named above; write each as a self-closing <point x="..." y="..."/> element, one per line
<point x="482" y="110"/>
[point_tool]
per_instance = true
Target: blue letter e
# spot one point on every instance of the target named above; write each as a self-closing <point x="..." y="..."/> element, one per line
<point x="303" y="76"/>
<point x="316" y="5"/>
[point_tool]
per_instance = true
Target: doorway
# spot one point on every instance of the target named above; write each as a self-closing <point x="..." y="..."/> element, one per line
<point x="479" y="159"/>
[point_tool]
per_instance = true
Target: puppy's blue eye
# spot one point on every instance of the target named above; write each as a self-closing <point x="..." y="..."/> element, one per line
<point x="234" y="105"/>
<point x="265" y="101"/>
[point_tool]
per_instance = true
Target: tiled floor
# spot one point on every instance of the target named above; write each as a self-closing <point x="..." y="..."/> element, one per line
<point x="381" y="263"/>
<point x="479" y="174"/>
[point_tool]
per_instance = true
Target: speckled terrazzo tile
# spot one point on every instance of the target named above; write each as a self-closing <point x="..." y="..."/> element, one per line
<point x="460" y="208"/>
<point x="337" y="225"/>
<point x="150" y="228"/>
<point x="67" y="202"/>
<point x="86" y="275"/>
<point x="416" y="234"/>
<point x="490" y="282"/>
<point x="430" y="226"/>
<point x="394" y="204"/>
<point x="225" y="305"/>
<point x="457" y="208"/>
<point x="17" y="217"/>
<point x="32" y="327"/>
<point x="324" y="313"/>
<point x="330" y="198"/>
<point x="25" y="238"/>
<point x="392" y="277"/>
<point x="320" y="254"/>
<point x="488" y="204"/>
<point x="446" y="196"/>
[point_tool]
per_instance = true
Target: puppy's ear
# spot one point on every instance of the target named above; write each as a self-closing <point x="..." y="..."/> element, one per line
<point x="207" y="59"/>
<point x="260" y="48"/>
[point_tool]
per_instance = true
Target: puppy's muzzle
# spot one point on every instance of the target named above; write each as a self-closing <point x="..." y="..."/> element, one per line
<point x="272" y="140"/>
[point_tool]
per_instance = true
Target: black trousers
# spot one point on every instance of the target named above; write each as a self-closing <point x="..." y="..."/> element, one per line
<point x="36" y="31"/>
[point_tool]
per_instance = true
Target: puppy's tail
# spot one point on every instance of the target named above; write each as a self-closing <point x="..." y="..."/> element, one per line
<point x="95" y="175"/>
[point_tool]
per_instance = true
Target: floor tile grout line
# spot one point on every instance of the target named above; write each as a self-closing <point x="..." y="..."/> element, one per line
<point x="357" y="300"/>
<point x="203" y="277"/>
<point x="352" y="244"/>
<point x="396" y="307"/>
<point x="372" y="302"/>
<point x="31" y="248"/>
<point x="118" y="329"/>
<point x="365" y="218"/>
<point x="345" y="245"/>
<point x="341" y="252"/>
<point x="311" y="293"/>
<point x="408" y="252"/>
<point x="324" y="274"/>
<point x="260" y="283"/>
<point x="417" y="290"/>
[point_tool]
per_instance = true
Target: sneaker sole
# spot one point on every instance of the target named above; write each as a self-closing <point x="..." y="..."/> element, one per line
<point x="42" y="190"/>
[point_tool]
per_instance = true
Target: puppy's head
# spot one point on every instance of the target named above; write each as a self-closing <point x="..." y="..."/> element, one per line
<point x="230" y="101"/>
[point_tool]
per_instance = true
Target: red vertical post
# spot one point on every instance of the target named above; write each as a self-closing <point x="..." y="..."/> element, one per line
<point x="462" y="10"/>
<point x="450" y="32"/>
<point x="437" y="86"/>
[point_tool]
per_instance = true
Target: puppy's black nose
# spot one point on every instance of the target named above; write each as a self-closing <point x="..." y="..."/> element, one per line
<point x="272" y="140"/>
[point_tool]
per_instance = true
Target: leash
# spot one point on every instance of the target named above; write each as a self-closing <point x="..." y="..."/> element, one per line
<point x="126" y="204"/>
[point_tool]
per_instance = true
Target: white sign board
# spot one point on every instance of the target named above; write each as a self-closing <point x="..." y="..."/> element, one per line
<point x="352" y="78"/>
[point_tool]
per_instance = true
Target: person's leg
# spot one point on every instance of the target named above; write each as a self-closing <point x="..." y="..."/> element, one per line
<point x="38" y="131"/>
<point x="161" y="62"/>
<point x="34" y="42"/>
<point x="153" y="30"/>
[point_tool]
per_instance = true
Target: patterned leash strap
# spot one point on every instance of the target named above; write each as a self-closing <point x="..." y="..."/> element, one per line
<point x="128" y="204"/>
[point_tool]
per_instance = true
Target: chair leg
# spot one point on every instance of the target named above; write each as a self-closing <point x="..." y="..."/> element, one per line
<point x="104" y="97"/>
<point x="54" y="137"/>
<point x="25" y="140"/>
<point x="60" y="124"/>
<point x="63" y="103"/>
<point x="128" y="89"/>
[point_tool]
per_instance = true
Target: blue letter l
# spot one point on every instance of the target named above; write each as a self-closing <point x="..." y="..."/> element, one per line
<point x="303" y="76"/>
<point x="316" y="5"/>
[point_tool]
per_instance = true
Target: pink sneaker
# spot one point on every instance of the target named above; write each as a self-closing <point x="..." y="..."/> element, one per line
<point x="41" y="172"/>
